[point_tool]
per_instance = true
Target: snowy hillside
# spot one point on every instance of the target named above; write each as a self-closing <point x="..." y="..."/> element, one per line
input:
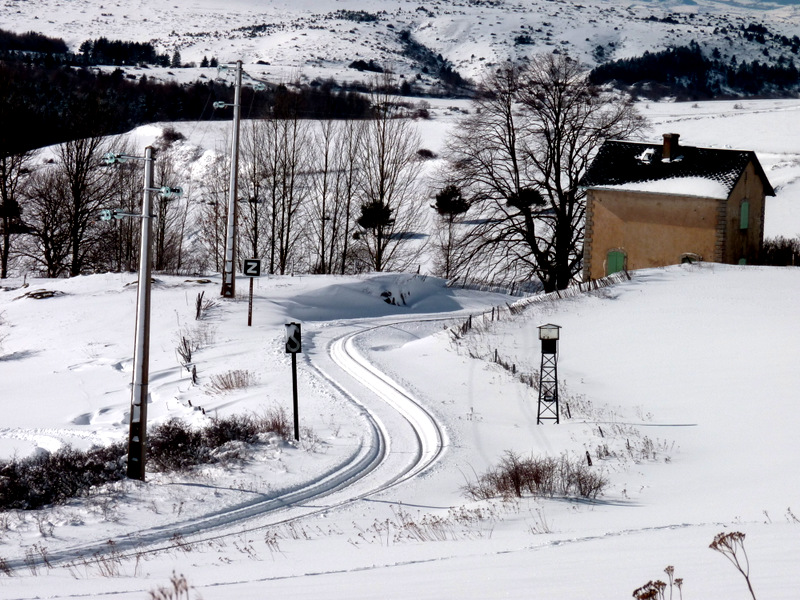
<point x="771" y="128"/>
<point x="308" y="39"/>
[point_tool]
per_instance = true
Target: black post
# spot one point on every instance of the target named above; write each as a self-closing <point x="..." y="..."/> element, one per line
<point x="294" y="394"/>
<point x="250" y="306"/>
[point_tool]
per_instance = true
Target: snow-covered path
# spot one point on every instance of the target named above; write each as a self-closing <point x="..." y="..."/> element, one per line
<point x="701" y="346"/>
<point x="394" y="448"/>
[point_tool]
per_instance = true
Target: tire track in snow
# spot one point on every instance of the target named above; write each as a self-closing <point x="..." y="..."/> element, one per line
<point x="429" y="434"/>
<point x="372" y="453"/>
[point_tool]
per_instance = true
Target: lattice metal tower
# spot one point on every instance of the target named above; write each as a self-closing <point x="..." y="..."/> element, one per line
<point x="548" y="375"/>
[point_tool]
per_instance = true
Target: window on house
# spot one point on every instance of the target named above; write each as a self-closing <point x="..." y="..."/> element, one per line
<point x="744" y="214"/>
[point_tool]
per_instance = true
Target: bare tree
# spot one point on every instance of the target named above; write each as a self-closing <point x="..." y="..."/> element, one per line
<point x="171" y="214"/>
<point x="334" y="178"/>
<point x="14" y="170"/>
<point x="254" y="211"/>
<point x="47" y="201"/>
<point x="389" y="197"/>
<point x="212" y="216"/>
<point x="520" y="155"/>
<point x="322" y="201"/>
<point x="88" y="188"/>
<point x="122" y="244"/>
<point x="287" y="166"/>
<point x="347" y="181"/>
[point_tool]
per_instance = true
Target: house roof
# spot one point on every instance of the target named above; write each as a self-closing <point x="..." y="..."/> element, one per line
<point x="635" y="166"/>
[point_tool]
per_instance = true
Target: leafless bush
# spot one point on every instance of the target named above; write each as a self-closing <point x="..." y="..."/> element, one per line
<point x="185" y="349"/>
<point x="44" y="554"/>
<point x="539" y="476"/>
<point x="191" y="339"/>
<point x="202" y="306"/>
<point x="275" y="420"/>
<point x="231" y="380"/>
<point x="309" y="440"/>
<point x="244" y="428"/>
<point x="53" y="478"/>
<point x="272" y="541"/>
<point x="203" y="335"/>
<point x="176" y="446"/>
<point x="30" y="561"/>
<point x="178" y="589"/>
<point x="5" y="569"/>
<point x="587" y="483"/>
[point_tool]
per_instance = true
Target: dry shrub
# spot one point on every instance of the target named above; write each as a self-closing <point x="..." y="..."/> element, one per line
<point x="247" y="428"/>
<point x="275" y="420"/>
<point x="177" y="590"/>
<point x="53" y="478"/>
<point x="176" y="446"/>
<point x="56" y="477"/>
<point x="539" y="476"/>
<point x="231" y="380"/>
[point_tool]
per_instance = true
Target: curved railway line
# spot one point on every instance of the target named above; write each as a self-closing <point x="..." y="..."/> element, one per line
<point x="372" y="467"/>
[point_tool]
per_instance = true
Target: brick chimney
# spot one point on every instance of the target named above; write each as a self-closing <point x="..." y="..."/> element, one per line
<point x="670" y="146"/>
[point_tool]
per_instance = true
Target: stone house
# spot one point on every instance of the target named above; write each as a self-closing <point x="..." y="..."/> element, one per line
<point x="652" y="205"/>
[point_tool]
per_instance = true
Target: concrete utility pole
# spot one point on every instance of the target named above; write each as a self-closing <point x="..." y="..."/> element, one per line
<point x="137" y="439"/>
<point x="229" y="269"/>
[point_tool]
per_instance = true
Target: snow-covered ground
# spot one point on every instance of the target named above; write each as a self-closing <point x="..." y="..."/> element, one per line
<point x="680" y="384"/>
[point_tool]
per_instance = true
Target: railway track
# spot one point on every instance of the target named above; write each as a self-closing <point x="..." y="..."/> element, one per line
<point x="402" y="439"/>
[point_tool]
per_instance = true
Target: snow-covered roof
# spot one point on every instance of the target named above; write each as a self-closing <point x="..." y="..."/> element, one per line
<point x="691" y="171"/>
<point x="676" y="186"/>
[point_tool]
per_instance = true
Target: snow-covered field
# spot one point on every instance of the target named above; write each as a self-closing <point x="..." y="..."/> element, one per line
<point x="681" y="385"/>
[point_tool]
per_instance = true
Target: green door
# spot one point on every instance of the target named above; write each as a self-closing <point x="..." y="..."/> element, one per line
<point x="615" y="262"/>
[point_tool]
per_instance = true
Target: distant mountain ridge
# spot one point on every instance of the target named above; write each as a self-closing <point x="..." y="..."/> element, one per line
<point x="319" y="39"/>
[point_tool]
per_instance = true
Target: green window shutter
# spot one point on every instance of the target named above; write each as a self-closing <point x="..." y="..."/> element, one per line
<point x="615" y="262"/>
<point x="744" y="215"/>
<point x="742" y="261"/>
